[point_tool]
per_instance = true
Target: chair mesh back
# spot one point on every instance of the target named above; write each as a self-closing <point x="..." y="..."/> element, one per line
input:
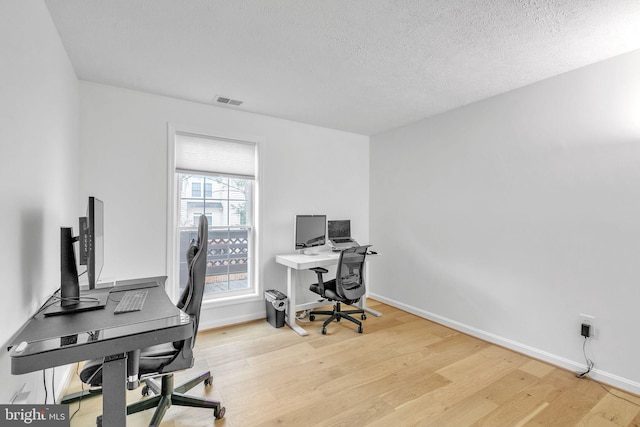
<point x="191" y="299"/>
<point x="350" y="273"/>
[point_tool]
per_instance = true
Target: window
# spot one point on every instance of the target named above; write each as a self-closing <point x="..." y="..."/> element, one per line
<point x="195" y="189"/>
<point x="216" y="177"/>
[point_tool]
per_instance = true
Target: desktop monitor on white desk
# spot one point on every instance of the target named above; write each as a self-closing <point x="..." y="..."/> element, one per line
<point x="310" y="231"/>
<point x="298" y="263"/>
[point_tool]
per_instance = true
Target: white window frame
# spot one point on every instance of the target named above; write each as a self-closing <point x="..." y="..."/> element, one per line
<point x="255" y="291"/>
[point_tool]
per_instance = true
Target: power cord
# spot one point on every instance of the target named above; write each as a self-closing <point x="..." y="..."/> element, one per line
<point x="81" y="394"/>
<point x="585" y="374"/>
<point x="53" y="378"/>
<point x="44" y="382"/>
<point x="613" y="394"/>
<point x="589" y="362"/>
<point x="302" y="315"/>
<point x="53" y="385"/>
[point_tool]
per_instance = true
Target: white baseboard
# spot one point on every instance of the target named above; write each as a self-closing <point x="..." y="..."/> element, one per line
<point x="228" y="321"/>
<point x="571" y="365"/>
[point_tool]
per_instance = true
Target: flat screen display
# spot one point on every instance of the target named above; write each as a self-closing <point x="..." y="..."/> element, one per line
<point x="310" y="230"/>
<point x="93" y="240"/>
<point x="339" y="228"/>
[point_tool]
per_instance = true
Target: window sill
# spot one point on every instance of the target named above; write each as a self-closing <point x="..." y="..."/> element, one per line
<point x="231" y="300"/>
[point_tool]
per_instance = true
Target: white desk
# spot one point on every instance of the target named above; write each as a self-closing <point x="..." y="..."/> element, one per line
<point x="298" y="262"/>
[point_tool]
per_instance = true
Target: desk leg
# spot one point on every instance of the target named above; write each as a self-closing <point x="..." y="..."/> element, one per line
<point x="114" y="403"/>
<point x="291" y="294"/>
<point x="363" y="301"/>
<point x="363" y="305"/>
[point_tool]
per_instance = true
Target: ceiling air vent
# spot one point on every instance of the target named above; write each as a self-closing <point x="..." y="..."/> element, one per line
<point x="227" y="101"/>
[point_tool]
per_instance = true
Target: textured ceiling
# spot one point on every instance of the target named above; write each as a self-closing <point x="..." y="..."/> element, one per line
<point x="363" y="66"/>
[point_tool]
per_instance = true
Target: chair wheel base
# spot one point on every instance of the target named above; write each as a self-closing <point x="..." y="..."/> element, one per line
<point x="219" y="413"/>
<point x="324" y="331"/>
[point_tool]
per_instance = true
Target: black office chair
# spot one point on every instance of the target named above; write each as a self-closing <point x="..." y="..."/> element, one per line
<point x="347" y="288"/>
<point x="163" y="359"/>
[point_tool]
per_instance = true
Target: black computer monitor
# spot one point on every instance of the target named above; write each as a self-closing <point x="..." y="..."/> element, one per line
<point x="91" y="254"/>
<point x="92" y="240"/>
<point x="69" y="286"/>
<point x="310" y="231"/>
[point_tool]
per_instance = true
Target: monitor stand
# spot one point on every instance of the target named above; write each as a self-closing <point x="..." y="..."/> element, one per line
<point x="303" y="252"/>
<point x="89" y="300"/>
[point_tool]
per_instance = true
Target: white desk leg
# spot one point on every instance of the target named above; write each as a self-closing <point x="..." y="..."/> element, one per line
<point x="363" y="301"/>
<point x="291" y="294"/>
<point x="363" y="305"/>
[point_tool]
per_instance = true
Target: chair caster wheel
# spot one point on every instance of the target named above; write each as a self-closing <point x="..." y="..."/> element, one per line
<point x="208" y="381"/>
<point x="145" y="390"/>
<point x="219" y="413"/>
<point x="324" y="331"/>
<point x="312" y="317"/>
<point x="363" y="317"/>
<point x="359" y="329"/>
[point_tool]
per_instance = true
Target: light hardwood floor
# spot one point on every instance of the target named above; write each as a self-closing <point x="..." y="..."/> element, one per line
<point x="402" y="371"/>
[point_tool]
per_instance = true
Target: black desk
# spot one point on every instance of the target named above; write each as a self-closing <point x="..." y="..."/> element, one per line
<point x="61" y="340"/>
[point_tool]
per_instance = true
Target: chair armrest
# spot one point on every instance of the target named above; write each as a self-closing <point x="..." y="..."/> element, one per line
<point x="320" y="271"/>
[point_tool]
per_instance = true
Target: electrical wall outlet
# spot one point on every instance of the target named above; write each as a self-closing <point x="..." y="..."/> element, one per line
<point x="587" y="319"/>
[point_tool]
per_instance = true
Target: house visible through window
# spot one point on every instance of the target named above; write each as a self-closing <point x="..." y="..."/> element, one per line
<point x="196" y="189"/>
<point x="225" y="170"/>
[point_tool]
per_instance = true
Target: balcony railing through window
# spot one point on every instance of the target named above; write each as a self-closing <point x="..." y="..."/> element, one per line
<point x="227" y="259"/>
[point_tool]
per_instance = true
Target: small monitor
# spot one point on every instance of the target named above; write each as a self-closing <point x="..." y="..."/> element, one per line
<point x="339" y="228"/>
<point x="310" y="231"/>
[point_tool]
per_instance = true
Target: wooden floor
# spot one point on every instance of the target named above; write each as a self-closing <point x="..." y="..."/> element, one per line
<point x="402" y="371"/>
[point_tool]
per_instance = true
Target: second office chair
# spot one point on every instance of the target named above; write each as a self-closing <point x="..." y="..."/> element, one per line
<point x="347" y="288"/>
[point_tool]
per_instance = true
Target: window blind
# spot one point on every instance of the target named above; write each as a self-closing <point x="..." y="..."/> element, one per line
<point x="211" y="155"/>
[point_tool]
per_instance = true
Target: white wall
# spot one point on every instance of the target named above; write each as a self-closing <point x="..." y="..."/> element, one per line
<point x="38" y="158"/>
<point x="509" y="217"/>
<point x="124" y="153"/>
